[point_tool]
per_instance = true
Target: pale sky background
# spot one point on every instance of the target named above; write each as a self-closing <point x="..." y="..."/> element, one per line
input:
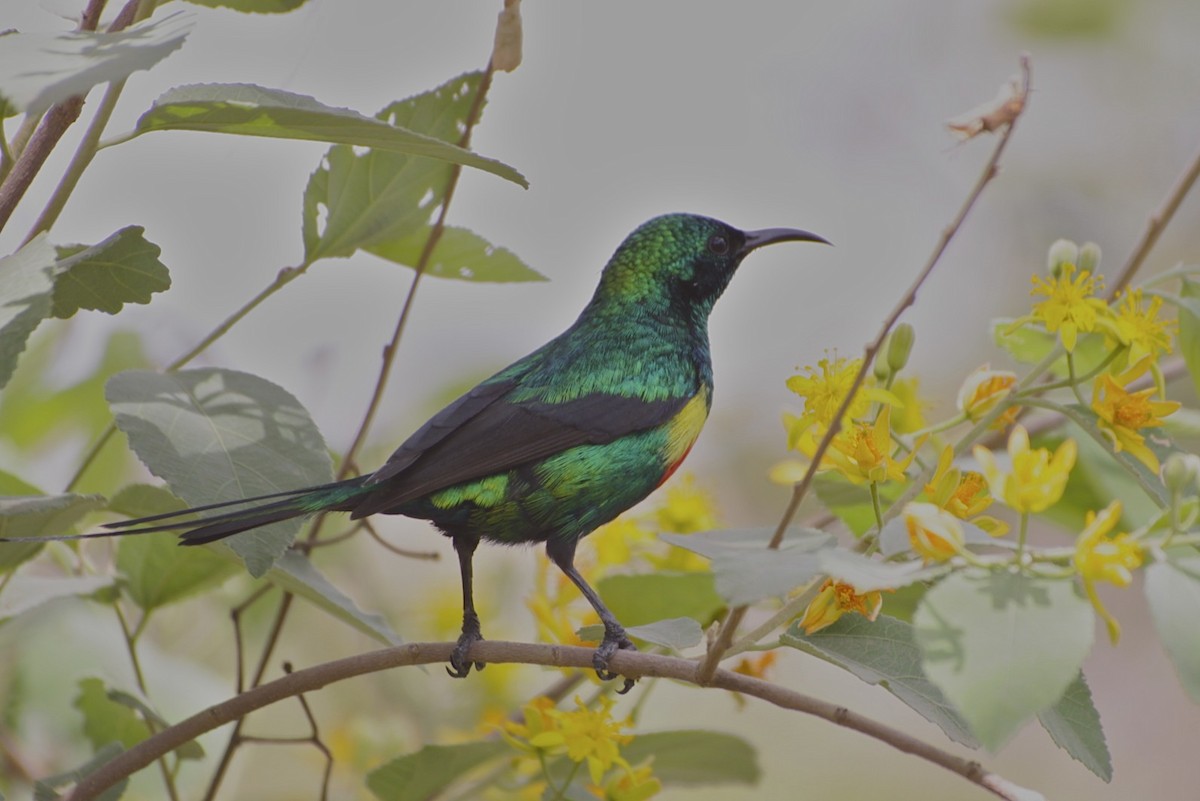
<point x="824" y="116"/>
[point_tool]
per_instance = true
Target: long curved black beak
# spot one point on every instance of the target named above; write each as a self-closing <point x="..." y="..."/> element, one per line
<point x="769" y="236"/>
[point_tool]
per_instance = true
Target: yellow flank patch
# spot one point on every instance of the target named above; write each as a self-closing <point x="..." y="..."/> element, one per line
<point x="685" y="427"/>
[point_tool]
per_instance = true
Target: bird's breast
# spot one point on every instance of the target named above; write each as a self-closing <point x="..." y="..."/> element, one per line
<point x="682" y="431"/>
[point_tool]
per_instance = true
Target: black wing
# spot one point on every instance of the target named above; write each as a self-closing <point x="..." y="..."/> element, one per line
<point x="483" y="433"/>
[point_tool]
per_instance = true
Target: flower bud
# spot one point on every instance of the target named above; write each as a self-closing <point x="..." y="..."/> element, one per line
<point x="1063" y="251"/>
<point x="1089" y="257"/>
<point x="899" y="346"/>
<point x="1181" y="473"/>
<point x="934" y="533"/>
<point x="983" y="389"/>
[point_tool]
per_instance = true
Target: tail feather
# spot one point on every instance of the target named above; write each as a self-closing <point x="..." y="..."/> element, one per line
<point x="200" y="530"/>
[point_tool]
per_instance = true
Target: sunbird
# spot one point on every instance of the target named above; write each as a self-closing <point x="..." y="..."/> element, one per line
<point x="557" y="443"/>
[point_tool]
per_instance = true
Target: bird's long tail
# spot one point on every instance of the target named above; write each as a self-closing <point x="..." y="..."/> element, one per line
<point x="231" y="517"/>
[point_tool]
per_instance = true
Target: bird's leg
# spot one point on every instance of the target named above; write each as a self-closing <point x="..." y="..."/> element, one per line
<point x="562" y="553"/>
<point x="471" y="633"/>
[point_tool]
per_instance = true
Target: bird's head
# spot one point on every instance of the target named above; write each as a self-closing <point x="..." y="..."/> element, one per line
<point x="681" y="263"/>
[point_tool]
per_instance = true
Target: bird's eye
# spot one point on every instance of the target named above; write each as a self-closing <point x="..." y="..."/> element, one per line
<point x="718" y="244"/>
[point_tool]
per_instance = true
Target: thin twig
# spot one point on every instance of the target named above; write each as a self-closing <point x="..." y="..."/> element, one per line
<point x="729" y="626"/>
<point x="626" y="663"/>
<point x="1156" y="224"/>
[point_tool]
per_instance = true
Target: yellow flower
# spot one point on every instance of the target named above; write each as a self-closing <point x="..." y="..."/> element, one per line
<point x="935" y="534"/>
<point x="1138" y="326"/>
<point x="864" y="452"/>
<point x="1099" y="557"/>
<point x="835" y="599"/>
<point x="616" y="543"/>
<point x="591" y="736"/>
<point x="634" y="785"/>
<point x="687" y="510"/>
<point x="1069" y="307"/>
<point x="982" y="390"/>
<point x="1036" y="480"/>
<point x="962" y="494"/>
<point x="824" y="390"/>
<point x="1123" y="413"/>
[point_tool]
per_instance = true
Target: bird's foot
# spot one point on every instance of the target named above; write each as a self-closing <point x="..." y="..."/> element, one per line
<point x="460" y="664"/>
<point x="614" y="640"/>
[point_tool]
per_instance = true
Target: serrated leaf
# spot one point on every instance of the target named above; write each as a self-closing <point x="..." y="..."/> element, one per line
<point x="355" y="201"/>
<point x="1074" y="725"/>
<point x="648" y="597"/>
<point x="1002" y="646"/>
<point x="124" y="268"/>
<point x="248" y="110"/>
<point x="695" y="758"/>
<point x="424" y="774"/>
<point x="884" y="652"/>
<point x="33" y="516"/>
<point x="23" y="593"/>
<point x="676" y="633"/>
<point x="220" y="435"/>
<point x="26" y="284"/>
<point x="1189" y="331"/>
<point x="46" y="789"/>
<point x="460" y="254"/>
<point x="1173" y="591"/>
<point x="38" y="70"/>
<point x="746" y="570"/>
<point x="252" y="6"/>
<point x="296" y="574"/>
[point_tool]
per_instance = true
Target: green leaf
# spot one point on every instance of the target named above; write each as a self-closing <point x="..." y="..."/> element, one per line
<point x="852" y="502"/>
<point x="1074" y="725"/>
<point x="220" y="435"/>
<point x="41" y="69"/>
<point x="1031" y="343"/>
<point x="144" y="500"/>
<point x="252" y="6"/>
<point x="157" y="571"/>
<point x="1002" y="646"/>
<point x="460" y="254"/>
<point x="105" y="720"/>
<point x="248" y="110"/>
<point x="884" y="653"/>
<point x="1173" y="590"/>
<point x="295" y="573"/>
<point x="46" y="789"/>
<point x="189" y="750"/>
<point x="15" y="485"/>
<point x="124" y="268"/>
<point x="424" y="774"/>
<point x="695" y="758"/>
<point x="649" y="597"/>
<point x="676" y="633"/>
<point x="381" y="199"/>
<point x="26" y="284"/>
<point x="746" y="570"/>
<point x="23" y="593"/>
<point x="1189" y="331"/>
<point x="32" y="516"/>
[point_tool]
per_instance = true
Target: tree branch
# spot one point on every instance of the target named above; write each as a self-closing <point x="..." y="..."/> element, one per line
<point x="627" y="663"/>
<point x="1013" y="109"/>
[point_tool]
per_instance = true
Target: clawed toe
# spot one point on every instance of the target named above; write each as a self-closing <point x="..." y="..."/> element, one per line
<point x="611" y="644"/>
<point x="460" y="664"/>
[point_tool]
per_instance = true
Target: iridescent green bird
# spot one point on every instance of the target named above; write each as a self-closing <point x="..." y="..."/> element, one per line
<point x="562" y="440"/>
